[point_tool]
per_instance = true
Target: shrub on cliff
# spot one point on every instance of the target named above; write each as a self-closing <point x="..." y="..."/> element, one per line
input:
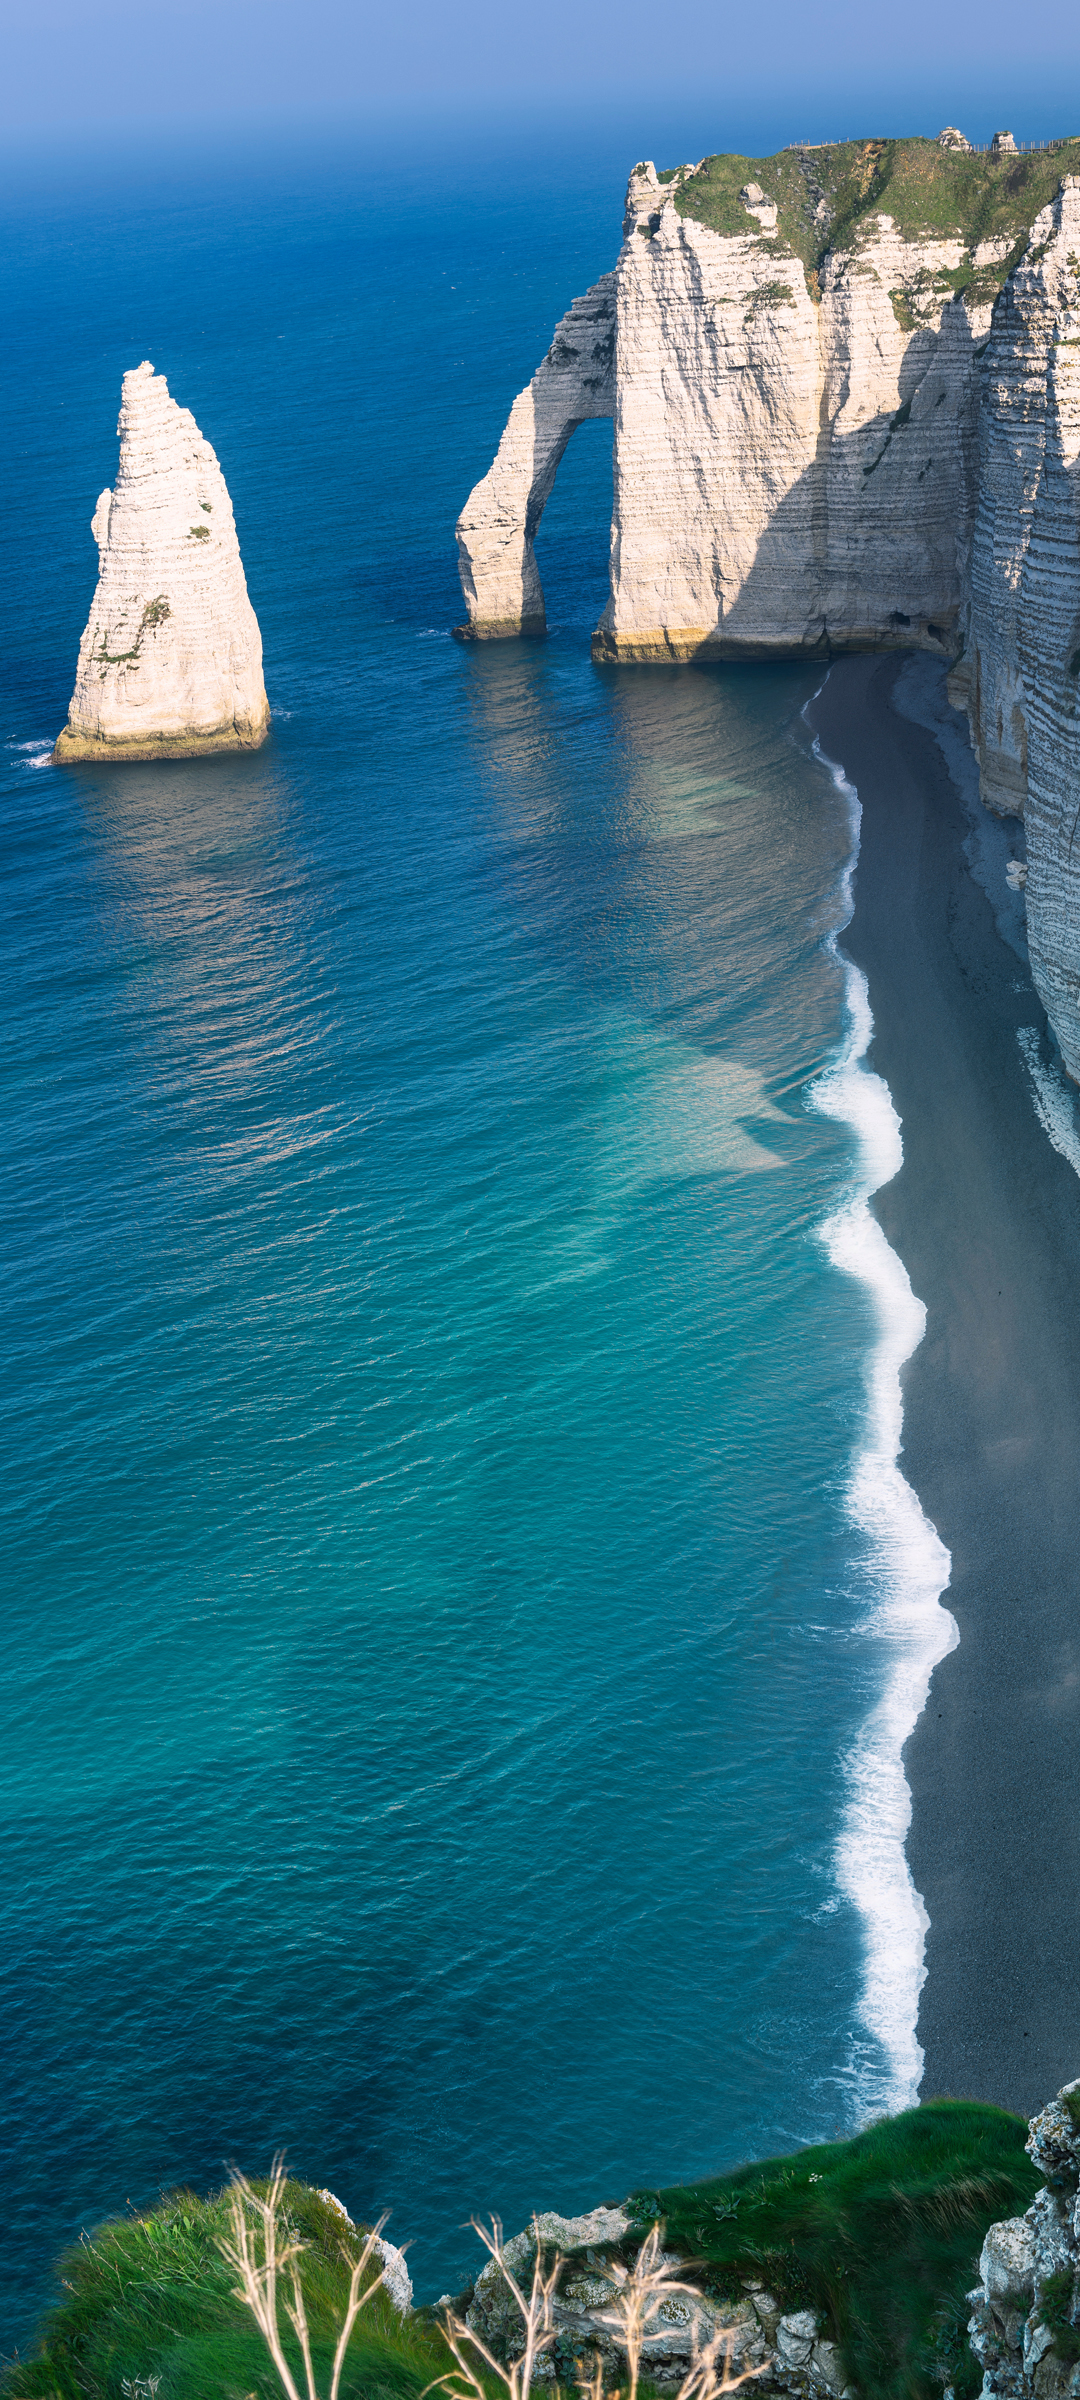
<point x="879" y="2236"/>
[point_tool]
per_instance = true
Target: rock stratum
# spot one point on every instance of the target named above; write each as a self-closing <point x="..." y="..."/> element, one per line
<point x="845" y="387"/>
<point x="170" y="664"/>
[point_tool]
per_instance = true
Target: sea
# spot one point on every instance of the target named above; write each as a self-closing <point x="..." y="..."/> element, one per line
<point x="463" y="1603"/>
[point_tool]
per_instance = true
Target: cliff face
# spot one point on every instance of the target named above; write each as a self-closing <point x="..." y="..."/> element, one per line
<point x="789" y="349"/>
<point x="1021" y="670"/>
<point x="845" y="386"/>
<point x="791" y="470"/>
<point x="170" y="664"/>
<point x="791" y="466"/>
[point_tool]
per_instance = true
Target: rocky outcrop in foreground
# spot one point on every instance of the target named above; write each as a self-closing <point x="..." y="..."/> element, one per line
<point x="170" y="664"/>
<point x="791" y="2349"/>
<point x="1025" y="2324"/>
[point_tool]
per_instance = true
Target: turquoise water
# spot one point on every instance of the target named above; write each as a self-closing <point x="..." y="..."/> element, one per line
<point x="436" y="1632"/>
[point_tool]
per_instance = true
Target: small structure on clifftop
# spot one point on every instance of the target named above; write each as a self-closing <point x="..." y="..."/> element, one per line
<point x="170" y="664"/>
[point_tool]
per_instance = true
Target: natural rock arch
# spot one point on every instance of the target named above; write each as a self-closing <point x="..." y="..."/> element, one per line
<point x="497" y="526"/>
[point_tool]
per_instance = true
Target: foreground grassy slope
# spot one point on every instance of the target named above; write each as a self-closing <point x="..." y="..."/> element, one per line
<point x="879" y="2236"/>
<point x="824" y="195"/>
<point x="152" y="2296"/>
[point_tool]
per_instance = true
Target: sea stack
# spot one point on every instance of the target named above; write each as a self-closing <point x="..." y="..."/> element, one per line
<point x="170" y="664"/>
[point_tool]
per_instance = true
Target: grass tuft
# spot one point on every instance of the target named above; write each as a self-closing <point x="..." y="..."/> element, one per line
<point x="152" y="2296"/>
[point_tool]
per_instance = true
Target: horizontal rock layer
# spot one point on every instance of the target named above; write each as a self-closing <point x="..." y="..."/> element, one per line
<point x="170" y="664"/>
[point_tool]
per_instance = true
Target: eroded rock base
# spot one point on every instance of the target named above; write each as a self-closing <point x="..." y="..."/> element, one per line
<point x="79" y="748"/>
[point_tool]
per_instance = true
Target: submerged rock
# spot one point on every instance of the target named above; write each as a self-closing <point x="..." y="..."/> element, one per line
<point x="170" y="664"/>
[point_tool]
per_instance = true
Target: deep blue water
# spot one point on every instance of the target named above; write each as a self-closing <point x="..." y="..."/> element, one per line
<point x="434" y="1630"/>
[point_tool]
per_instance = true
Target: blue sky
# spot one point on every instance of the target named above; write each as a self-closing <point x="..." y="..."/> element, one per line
<point x="699" y="75"/>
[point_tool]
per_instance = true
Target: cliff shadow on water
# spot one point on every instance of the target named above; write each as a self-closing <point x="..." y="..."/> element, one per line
<point x="985" y="1213"/>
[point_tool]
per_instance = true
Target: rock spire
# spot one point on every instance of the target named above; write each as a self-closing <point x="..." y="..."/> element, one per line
<point x="170" y="664"/>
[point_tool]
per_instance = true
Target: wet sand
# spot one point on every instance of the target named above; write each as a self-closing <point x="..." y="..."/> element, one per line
<point x="985" y="1214"/>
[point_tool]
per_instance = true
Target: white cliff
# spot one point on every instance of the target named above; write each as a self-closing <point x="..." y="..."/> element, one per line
<point x="846" y="403"/>
<point x="794" y="453"/>
<point x="170" y="664"/>
<point x="790" y="467"/>
<point x="1021" y="669"/>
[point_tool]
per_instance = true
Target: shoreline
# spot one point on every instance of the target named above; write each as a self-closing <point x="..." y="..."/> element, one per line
<point x="904" y="1567"/>
<point x="985" y="1215"/>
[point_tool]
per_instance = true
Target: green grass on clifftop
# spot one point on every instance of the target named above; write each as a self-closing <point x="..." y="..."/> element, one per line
<point x="824" y="195"/>
<point x="879" y="2236"/>
<point x="152" y="2296"/>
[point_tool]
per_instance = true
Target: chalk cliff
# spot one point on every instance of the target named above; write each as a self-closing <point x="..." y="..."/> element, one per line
<point x="1020" y="672"/>
<point x="845" y="385"/>
<point x="170" y="664"/>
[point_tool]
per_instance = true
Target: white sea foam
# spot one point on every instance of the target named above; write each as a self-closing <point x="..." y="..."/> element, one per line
<point x="1053" y="1097"/>
<point x="33" y="754"/>
<point x="907" y="1566"/>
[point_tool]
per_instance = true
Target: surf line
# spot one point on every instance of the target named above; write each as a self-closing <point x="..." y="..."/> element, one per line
<point x="905" y="1563"/>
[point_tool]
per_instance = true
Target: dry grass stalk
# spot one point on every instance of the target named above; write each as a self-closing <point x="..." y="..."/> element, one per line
<point x="465" y="2380"/>
<point x="261" y="2251"/>
<point x="642" y="2290"/>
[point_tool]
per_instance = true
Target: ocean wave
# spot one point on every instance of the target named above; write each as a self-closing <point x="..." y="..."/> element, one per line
<point x="906" y="1565"/>
<point x="32" y="754"/>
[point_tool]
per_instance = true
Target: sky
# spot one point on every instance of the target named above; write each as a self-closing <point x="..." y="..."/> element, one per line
<point x="716" y="74"/>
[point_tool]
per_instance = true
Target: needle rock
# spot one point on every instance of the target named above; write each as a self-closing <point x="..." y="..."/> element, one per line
<point x="170" y="664"/>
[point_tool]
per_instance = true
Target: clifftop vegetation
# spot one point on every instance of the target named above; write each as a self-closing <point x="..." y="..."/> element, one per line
<point x="824" y="194"/>
<point x="877" y="2236"/>
<point x="149" y="2312"/>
